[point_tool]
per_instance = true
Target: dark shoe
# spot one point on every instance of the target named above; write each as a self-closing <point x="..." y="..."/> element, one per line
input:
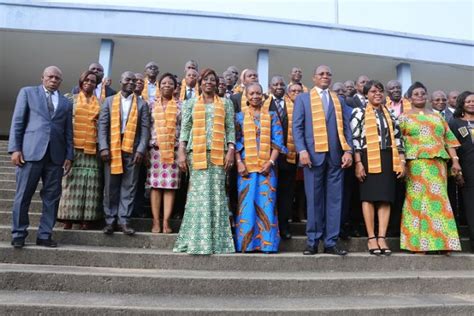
<point x="126" y="230"/>
<point x="18" y="242"/>
<point x="374" y="251"/>
<point x="85" y="226"/>
<point x="285" y="235"/>
<point x="108" y="229"/>
<point x="46" y="242"/>
<point x="67" y="225"/>
<point x="309" y="251"/>
<point x="335" y="251"/>
<point x="384" y="251"/>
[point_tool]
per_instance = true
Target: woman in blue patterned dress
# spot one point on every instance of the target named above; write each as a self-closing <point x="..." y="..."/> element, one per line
<point x="259" y="140"/>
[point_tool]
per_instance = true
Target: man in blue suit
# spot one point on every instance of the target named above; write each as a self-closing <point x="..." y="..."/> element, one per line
<point x="41" y="145"/>
<point x="323" y="169"/>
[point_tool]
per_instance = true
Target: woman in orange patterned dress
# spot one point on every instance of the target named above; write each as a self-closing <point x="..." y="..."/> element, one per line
<point x="427" y="218"/>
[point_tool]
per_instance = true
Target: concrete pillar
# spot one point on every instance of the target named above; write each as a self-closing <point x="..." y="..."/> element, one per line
<point x="404" y="76"/>
<point x="106" y="53"/>
<point x="263" y="66"/>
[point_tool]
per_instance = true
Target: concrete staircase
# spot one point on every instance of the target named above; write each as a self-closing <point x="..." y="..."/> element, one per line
<point x="91" y="273"/>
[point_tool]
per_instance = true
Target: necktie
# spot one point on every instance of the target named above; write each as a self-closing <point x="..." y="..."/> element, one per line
<point x="281" y="109"/>
<point x="324" y="97"/>
<point x="189" y="95"/>
<point x="50" y="103"/>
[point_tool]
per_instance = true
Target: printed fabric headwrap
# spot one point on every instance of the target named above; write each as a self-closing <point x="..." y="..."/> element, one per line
<point x="165" y="128"/>
<point x="117" y="143"/>
<point x="319" y="122"/>
<point x="372" y="138"/>
<point x="85" y="123"/>
<point x="145" y="91"/>
<point x="199" y="134"/>
<point x="257" y="156"/>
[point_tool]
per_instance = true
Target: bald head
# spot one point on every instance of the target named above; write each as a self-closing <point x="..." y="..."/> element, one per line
<point x="296" y="74"/>
<point x="394" y="90"/>
<point x="191" y="64"/>
<point x="438" y="100"/>
<point x="140" y="83"/>
<point x="360" y="83"/>
<point x="127" y="83"/>
<point x="322" y="77"/>
<point x="52" y="78"/>
<point x="350" y="88"/>
<point x="339" y="88"/>
<point x="152" y="70"/>
<point x="278" y="86"/>
<point x="452" y="96"/>
<point x="98" y="69"/>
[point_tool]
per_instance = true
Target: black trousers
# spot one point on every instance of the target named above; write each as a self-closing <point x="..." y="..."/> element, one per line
<point x="285" y="196"/>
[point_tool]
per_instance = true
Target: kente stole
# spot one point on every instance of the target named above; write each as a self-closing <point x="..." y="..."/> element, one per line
<point x="200" y="135"/>
<point x="145" y="91"/>
<point x="291" y="156"/>
<point x="372" y="138"/>
<point x="255" y="157"/>
<point x="406" y="105"/>
<point x="85" y="123"/>
<point x="182" y="93"/>
<point x="117" y="144"/>
<point x="165" y="128"/>
<point x="319" y="122"/>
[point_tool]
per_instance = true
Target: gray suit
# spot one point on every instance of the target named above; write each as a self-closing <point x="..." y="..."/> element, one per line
<point x="119" y="190"/>
<point x="45" y="141"/>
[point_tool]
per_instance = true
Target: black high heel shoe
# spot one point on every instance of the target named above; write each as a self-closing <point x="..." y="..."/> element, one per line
<point x="374" y="251"/>
<point x="384" y="251"/>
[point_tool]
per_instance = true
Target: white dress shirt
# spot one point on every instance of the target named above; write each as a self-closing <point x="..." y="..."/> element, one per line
<point x="151" y="90"/>
<point x="125" y="105"/>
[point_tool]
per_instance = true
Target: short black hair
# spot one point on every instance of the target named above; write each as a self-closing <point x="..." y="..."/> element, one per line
<point x="168" y="75"/>
<point x="370" y="84"/>
<point x="414" y="86"/>
<point x="460" y="103"/>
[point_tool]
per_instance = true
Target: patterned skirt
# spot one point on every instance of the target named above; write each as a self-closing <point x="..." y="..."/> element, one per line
<point x="82" y="190"/>
<point x="161" y="175"/>
<point x="427" y="218"/>
<point x="205" y="228"/>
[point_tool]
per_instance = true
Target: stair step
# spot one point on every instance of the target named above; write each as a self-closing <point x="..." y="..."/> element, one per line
<point x="166" y="241"/>
<point x="9" y="194"/>
<point x="231" y="283"/>
<point x="132" y="258"/>
<point x="7" y="204"/>
<point x="42" y="302"/>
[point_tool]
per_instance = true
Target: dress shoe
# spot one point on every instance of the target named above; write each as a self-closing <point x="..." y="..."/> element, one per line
<point x="18" y="242"/>
<point x="285" y="235"/>
<point x="108" y="229"/>
<point x="335" y="251"/>
<point x="67" y="225"/>
<point x="126" y="230"/>
<point x="309" y="251"/>
<point x="46" y="242"/>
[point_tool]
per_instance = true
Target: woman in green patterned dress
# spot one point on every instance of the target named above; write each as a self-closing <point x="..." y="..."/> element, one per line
<point x="82" y="187"/>
<point x="207" y="133"/>
<point x="428" y="223"/>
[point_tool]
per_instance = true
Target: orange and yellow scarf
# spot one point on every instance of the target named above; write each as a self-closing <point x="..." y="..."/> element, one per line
<point x="199" y="134"/>
<point x="182" y="93"/>
<point x="290" y="144"/>
<point x="319" y="122"/>
<point x="85" y="123"/>
<point x="117" y="144"/>
<point x="256" y="158"/>
<point x="145" y="91"/>
<point x="305" y="88"/>
<point x="165" y="128"/>
<point x="372" y="137"/>
<point x="406" y="105"/>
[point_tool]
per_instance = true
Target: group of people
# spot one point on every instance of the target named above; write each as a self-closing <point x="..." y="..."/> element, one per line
<point x="241" y="149"/>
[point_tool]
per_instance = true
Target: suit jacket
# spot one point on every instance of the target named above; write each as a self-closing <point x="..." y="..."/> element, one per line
<point x="33" y="130"/>
<point x="236" y="100"/>
<point x="142" y="134"/>
<point x="303" y="130"/>
<point x="448" y="115"/>
<point x="282" y="162"/>
<point x="354" y="102"/>
<point x="108" y="91"/>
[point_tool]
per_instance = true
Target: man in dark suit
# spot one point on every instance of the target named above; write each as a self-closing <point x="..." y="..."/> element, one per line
<point x="323" y="167"/>
<point x="41" y="145"/>
<point x="190" y="80"/>
<point x="358" y="99"/>
<point x="101" y="83"/>
<point x="286" y="170"/>
<point x="120" y="188"/>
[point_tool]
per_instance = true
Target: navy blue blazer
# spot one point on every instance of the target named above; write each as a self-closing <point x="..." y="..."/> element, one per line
<point x="303" y="131"/>
<point x="33" y="129"/>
